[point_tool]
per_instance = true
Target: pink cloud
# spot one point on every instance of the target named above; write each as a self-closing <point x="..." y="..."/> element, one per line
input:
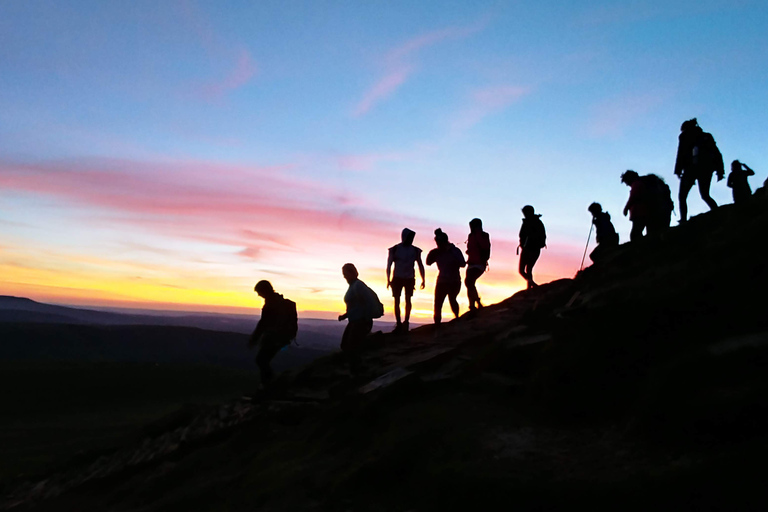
<point x="487" y="101"/>
<point x="398" y="68"/>
<point x="245" y="69"/>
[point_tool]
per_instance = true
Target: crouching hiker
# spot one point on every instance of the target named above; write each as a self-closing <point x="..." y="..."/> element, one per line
<point x="277" y="327"/>
<point x="605" y="234"/>
<point x="363" y="306"/>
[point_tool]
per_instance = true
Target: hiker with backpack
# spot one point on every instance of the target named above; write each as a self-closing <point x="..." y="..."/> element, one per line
<point x="277" y="327"/>
<point x="449" y="260"/>
<point x="605" y="234"/>
<point x="533" y="237"/>
<point x="363" y="306"/>
<point x="404" y="255"/>
<point x="478" y="254"/>
<point x="649" y="205"/>
<point x="738" y="181"/>
<point x="697" y="159"/>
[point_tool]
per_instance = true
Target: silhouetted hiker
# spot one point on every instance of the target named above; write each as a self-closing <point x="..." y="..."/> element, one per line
<point x="533" y="237"/>
<point x="697" y="158"/>
<point x="478" y="254"/>
<point x="404" y="255"/>
<point x="449" y="260"/>
<point x="277" y="326"/>
<point x="738" y="181"/>
<point x="605" y="234"/>
<point x="363" y="306"/>
<point x="638" y="205"/>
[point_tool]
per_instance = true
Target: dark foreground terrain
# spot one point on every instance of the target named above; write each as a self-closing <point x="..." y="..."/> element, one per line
<point x="640" y="384"/>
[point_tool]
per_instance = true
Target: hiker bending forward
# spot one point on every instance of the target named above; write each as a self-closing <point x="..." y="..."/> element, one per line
<point x="478" y="254"/>
<point x="277" y="327"/>
<point x="358" y="314"/>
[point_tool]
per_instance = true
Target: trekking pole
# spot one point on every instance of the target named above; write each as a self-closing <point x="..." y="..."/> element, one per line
<point x="587" y="247"/>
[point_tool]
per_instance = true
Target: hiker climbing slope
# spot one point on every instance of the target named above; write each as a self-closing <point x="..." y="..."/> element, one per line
<point x="404" y="255"/>
<point x="277" y="327"/>
<point x="533" y="238"/>
<point x="449" y="260"/>
<point x="478" y="254"/>
<point x="362" y="306"/>
<point x="698" y="157"/>
<point x="605" y="234"/>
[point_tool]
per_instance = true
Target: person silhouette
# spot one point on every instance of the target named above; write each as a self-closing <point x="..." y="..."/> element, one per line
<point x="276" y="328"/>
<point x="738" y="181"/>
<point x="533" y="237"/>
<point x="697" y="158"/>
<point x="605" y="234"/>
<point x="478" y="254"/>
<point x="358" y="315"/>
<point x="404" y="255"/>
<point x="637" y="205"/>
<point x="449" y="260"/>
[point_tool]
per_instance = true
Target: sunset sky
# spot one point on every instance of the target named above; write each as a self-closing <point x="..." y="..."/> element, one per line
<point x="169" y="154"/>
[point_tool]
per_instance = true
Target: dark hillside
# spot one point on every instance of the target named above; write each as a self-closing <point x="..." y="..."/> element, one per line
<point x="639" y="384"/>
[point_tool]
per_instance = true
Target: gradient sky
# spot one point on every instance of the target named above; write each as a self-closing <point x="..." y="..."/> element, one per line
<point x="171" y="154"/>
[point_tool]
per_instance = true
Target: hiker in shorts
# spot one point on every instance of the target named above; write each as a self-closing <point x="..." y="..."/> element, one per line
<point x="277" y="327"/>
<point x="404" y="255"/>
<point x="533" y="237"/>
<point x="697" y="159"/>
<point x="478" y="254"/>
<point x="637" y="205"/>
<point x="358" y="315"/>
<point x="449" y="260"/>
<point x="605" y="234"/>
<point x="738" y="181"/>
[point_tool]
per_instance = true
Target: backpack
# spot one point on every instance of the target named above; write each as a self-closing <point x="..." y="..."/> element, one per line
<point x="659" y="196"/>
<point x="537" y="235"/>
<point x="288" y="318"/>
<point x="373" y="304"/>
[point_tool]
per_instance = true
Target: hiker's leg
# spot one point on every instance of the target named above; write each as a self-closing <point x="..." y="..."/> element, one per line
<point x="704" y="183"/>
<point x="469" y="281"/>
<point x="533" y="258"/>
<point x="440" y="293"/>
<point x="686" y="183"/>
<point x="397" y="308"/>
<point x="408" y="306"/>
<point x="266" y="352"/>
<point x="638" y="225"/>
<point x="452" y="294"/>
<point x="523" y="263"/>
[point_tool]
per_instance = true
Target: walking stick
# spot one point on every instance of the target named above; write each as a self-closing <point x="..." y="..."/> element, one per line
<point x="587" y="247"/>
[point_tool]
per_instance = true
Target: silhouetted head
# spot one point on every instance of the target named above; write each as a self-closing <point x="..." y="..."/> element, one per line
<point x="441" y="239"/>
<point x="407" y="236"/>
<point x="689" y="125"/>
<point x="735" y="165"/>
<point x="475" y="225"/>
<point x="595" y="208"/>
<point x="349" y="271"/>
<point x="629" y="177"/>
<point x="264" y="288"/>
<point x="528" y="210"/>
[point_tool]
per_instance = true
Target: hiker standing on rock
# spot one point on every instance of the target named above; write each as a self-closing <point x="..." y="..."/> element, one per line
<point x="650" y="204"/>
<point x="533" y="237"/>
<point x="362" y="307"/>
<point x="478" y="254"/>
<point x="637" y="204"/>
<point x="404" y="255"/>
<point x="277" y="327"/>
<point x="738" y="181"/>
<point x="605" y="234"/>
<point x="449" y="260"/>
<point x="697" y="158"/>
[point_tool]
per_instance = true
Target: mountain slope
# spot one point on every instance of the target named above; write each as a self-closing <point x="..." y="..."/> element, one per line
<point x="636" y="384"/>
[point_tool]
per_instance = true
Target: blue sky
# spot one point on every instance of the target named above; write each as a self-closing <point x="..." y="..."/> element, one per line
<point x="173" y="153"/>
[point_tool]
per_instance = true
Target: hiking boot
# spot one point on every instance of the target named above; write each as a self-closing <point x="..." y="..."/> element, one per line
<point x="398" y="328"/>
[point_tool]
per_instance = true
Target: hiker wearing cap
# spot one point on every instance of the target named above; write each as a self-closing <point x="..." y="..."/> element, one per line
<point x="449" y="260"/>
<point x="277" y="327"/>
<point x="533" y="237"/>
<point x="404" y="256"/>
<point x="478" y="254"/>
<point x="363" y="306"/>
<point x="738" y="181"/>
<point x="697" y="159"/>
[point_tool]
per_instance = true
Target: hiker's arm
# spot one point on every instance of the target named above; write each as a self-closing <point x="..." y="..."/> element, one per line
<point x="421" y="270"/>
<point x="678" y="161"/>
<point x="342" y="317"/>
<point x="750" y="172"/>
<point x="255" y="335"/>
<point x="389" y="268"/>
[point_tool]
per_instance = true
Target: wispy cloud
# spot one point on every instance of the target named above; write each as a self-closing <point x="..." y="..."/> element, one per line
<point x="613" y="116"/>
<point x="399" y="67"/>
<point x="487" y="101"/>
<point x="244" y="69"/>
